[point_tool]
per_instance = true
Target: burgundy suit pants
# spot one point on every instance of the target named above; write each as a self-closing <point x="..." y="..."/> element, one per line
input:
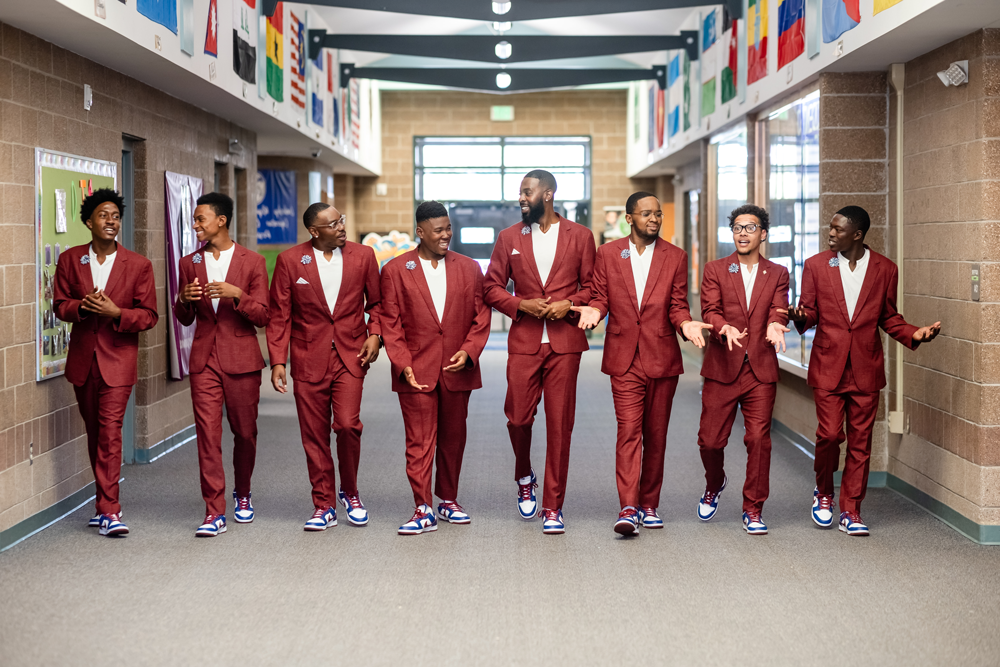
<point x="859" y="408"/>
<point x="642" y="408"/>
<point x="435" y="424"/>
<point x="529" y="377"/>
<point x="103" y="410"/>
<point x="338" y="395"/>
<point x="719" y="401"/>
<point x="240" y="393"/>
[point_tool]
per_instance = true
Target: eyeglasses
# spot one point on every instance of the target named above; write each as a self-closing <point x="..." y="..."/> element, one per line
<point x="339" y="224"/>
<point x="749" y="228"/>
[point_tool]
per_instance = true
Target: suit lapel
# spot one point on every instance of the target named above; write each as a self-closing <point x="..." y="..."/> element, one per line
<point x="312" y="276"/>
<point x="84" y="274"/>
<point x="871" y="275"/>
<point x="527" y="250"/>
<point x="235" y="265"/>
<point x="655" y="266"/>
<point x="201" y="273"/>
<point x="837" y="285"/>
<point x="420" y="280"/>
<point x="561" y="242"/>
<point x="121" y="258"/>
<point x="347" y="272"/>
<point x="737" y="281"/>
<point x="764" y="276"/>
<point x="454" y="281"/>
<point x="625" y="266"/>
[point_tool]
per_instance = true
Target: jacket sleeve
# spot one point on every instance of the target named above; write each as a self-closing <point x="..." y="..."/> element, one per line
<point x="712" y="311"/>
<point x="373" y="295"/>
<point x="599" y="286"/>
<point x="497" y="277"/>
<point x="184" y="312"/>
<point x="780" y="300"/>
<point x="807" y="299"/>
<point x="679" y="310"/>
<point x="141" y="314"/>
<point x="393" y="334"/>
<point x="254" y="304"/>
<point x="67" y="308"/>
<point x="479" y="332"/>
<point x="279" y="327"/>
<point x="890" y="320"/>
<point x="588" y="258"/>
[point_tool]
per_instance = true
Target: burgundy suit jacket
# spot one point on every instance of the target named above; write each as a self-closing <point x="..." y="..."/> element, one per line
<point x="652" y="327"/>
<point x="116" y="344"/>
<point x="413" y="335"/>
<point x="514" y="259"/>
<point x="234" y="325"/>
<point x="299" y="311"/>
<point x="822" y="296"/>
<point x="723" y="301"/>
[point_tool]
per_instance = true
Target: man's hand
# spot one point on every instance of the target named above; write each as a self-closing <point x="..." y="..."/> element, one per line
<point x="97" y="302"/>
<point x="732" y="335"/>
<point x="589" y="317"/>
<point x="278" y="378"/>
<point x="191" y="292"/>
<point x="534" y="307"/>
<point x="369" y="351"/>
<point x="927" y="334"/>
<point x="795" y="314"/>
<point x="218" y="290"/>
<point x="458" y="361"/>
<point x="692" y="331"/>
<point x="776" y="336"/>
<point x="408" y="374"/>
<point x="557" y="310"/>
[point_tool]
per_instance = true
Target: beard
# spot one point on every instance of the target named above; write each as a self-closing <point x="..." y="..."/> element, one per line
<point x="533" y="214"/>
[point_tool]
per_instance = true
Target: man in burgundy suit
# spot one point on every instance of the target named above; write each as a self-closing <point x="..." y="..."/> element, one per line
<point x="745" y="298"/>
<point x="641" y="280"/>
<point x="550" y="260"/>
<point x="225" y="291"/>
<point x="848" y="293"/>
<point x="320" y="294"/>
<point x="108" y="293"/>
<point x="435" y="326"/>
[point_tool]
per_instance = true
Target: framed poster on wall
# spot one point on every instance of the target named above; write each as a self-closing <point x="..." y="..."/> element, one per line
<point x="62" y="181"/>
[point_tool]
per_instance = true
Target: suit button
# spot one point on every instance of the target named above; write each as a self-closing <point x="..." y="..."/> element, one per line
<point x="638" y="323"/>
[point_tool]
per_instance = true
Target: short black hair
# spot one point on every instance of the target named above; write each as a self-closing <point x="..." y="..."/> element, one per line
<point x="750" y="209"/>
<point x="858" y="217"/>
<point x="220" y="203"/>
<point x="309" y="217"/>
<point x="431" y="209"/>
<point x="101" y="196"/>
<point x="544" y="177"/>
<point x="634" y="199"/>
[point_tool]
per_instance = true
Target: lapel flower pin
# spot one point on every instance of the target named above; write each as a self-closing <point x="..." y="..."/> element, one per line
<point x="525" y="229"/>
<point x="410" y="265"/>
<point x="625" y="253"/>
<point x="85" y="259"/>
<point x="307" y="259"/>
<point x="834" y="262"/>
<point x="196" y="259"/>
<point x="734" y="268"/>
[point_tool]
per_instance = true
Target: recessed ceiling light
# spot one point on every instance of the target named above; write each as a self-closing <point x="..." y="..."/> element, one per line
<point x="503" y="80"/>
<point x="501" y="8"/>
<point x="503" y="50"/>
<point x="501" y="26"/>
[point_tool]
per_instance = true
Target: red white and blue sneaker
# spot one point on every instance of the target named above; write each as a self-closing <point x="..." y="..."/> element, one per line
<point x="649" y="518"/>
<point x="112" y="526"/>
<point x="822" y="509"/>
<point x="96" y="521"/>
<point x="452" y="512"/>
<point x="322" y="518"/>
<point x="709" y="503"/>
<point x="243" y="511"/>
<point x="422" y="521"/>
<point x="527" y="504"/>
<point x="554" y="524"/>
<point x="754" y="524"/>
<point x="851" y="523"/>
<point x="214" y="524"/>
<point x="628" y="521"/>
<point x="357" y="515"/>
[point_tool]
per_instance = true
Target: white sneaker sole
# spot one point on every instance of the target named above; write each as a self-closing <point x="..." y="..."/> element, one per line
<point x="239" y="520"/>
<point x="457" y="522"/>
<point x="428" y="529"/>
<point x="755" y="532"/>
<point x="209" y="533"/>
<point x="857" y="533"/>
<point x="317" y="529"/>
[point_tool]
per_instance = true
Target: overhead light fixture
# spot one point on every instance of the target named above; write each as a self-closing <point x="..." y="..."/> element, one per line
<point x="501" y="8"/>
<point x="503" y="50"/>
<point x="503" y="79"/>
<point x="501" y="26"/>
<point x="956" y="74"/>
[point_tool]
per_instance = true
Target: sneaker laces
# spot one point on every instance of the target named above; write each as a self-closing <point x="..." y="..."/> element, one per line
<point x="551" y="515"/>
<point x="418" y="515"/>
<point x="524" y="491"/>
<point x="825" y="502"/>
<point x="709" y="497"/>
<point x="627" y="513"/>
<point x="243" y="504"/>
<point x="354" y="500"/>
<point x="753" y="517"/>
<point x="855" y="517"/>
<point x="453" y="506"/>
<point x="320" y="511"/>
<point x="649" y="511"/>
<point x="211" y="518"/>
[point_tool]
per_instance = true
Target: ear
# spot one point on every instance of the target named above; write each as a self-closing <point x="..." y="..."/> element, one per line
<point x="763" y="234"/>
<point x="420" y="232"/>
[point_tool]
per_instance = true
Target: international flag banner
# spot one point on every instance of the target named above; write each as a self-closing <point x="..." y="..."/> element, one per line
<point x="163" y="12"/>
<point x="331" y="115"/>
<point x="687" y="90"/>
<point x="297" y="60"/>
<point x="355" y="113"/>
<point x="651" y="117"/>
<point x="276" y="54"/>
<point x="245" y="39"/>
<point x="212" y="30"/>
<point x="317" y="89"/>
<point x="730" y="69"/>
<point x="791" y="30"/>
<point x="675" y="95"/>
<point x="756" y="41"/>
<point x="336" y="118"/>
<point x="661" y="114"/>
<point x="345" y="114"/>
<point x="882" y="5"/>
<point x="839" y="16"/>
<point x="709" y="39"/>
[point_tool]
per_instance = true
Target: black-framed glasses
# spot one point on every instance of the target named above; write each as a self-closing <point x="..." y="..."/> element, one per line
<point x="337" y="224"/>
<point x="751" y="228"/>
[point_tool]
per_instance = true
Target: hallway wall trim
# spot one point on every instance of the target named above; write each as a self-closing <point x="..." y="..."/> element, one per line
<point x="163" y="446"/>
<point x="48" y="516"/>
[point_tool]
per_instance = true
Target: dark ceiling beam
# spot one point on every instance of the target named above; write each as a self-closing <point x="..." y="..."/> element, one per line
<point x="520" y="10"/>
<point x="485" y="79"/>
<point x="483" y="49"/>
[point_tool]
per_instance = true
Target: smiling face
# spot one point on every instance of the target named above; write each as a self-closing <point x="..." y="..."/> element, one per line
<point x="105" y="222"/>
<point x="207" y="225"/>
<point x="328" y="229"/>
<point x="747" y="241"/>
<point x="843" y="234"/>
<point x="435" y="234"/>
<point x="532" y="198"/>
<point x="646" y="219"/>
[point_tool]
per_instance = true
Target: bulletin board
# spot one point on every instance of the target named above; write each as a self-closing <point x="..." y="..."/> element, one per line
<point x="61" y="183"/>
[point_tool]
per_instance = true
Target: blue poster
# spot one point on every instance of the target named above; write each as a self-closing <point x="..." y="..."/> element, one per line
<point x="163" y="12"/>
<point x="277" y="207"/>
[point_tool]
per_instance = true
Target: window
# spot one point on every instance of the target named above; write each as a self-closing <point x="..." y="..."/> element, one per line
<point x="729" y="151"/>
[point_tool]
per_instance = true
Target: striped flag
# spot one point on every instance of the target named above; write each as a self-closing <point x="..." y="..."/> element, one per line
<point x="297" y="61"/>
<point x="791" y="30"/>
<point x="276" y="54"/>
<point x="355" y="112"/>
<point x="709" y="38"/>
<point x="756" y="41"/>
<point x="839" y="16"/>
<point x="212" y="30"/>
<point x="245" y="39"/>
<point x="676" y="95"/>
<point x="730" y="59"/>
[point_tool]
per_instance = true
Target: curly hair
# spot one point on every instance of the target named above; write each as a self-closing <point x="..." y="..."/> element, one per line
<point x="99" y="197"/>
<point x="750" y="209"/>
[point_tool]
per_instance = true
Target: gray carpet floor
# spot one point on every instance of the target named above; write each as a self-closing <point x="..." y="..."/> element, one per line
<point x="498" y="591"/>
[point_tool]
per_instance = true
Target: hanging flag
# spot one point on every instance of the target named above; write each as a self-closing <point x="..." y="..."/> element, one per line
<point x="336" y="118"/>
<point x="675" y="95"/>
<point x="651" y="117"/>
<point x="297" y="61"/>
<point x="345" y="114"/>
<point x="730" y="71"/>
<point x="839" y="16"/>
<point x="709" y="37"/>
<point x="355" y="113"/>
<point x="276" y="54"/>
<point x="317" y="90"/>
<point x="756" y="41"/>
<point x="791" y="30"/>
<point x="245" y="39"/>
<point x="687" y="91"/>
<point x="212" y="30"/>
<point x="661" y="114"/>
<point x="163" y="12"/>
<point x="882" y="5"/>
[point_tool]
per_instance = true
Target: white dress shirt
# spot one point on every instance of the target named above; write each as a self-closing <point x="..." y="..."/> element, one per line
<point x="331" y="274"/>
<point x="640" y="267"/>
<point x="437" y="283"/>
<point x="218" y="269"/>
<point x="100" y="272"/>
<point x="749" y="278"/>
<point x="853" y="280"/>
<point x="544" y="248"/>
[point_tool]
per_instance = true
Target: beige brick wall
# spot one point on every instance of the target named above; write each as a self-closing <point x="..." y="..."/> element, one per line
<point x="41" y="105"/>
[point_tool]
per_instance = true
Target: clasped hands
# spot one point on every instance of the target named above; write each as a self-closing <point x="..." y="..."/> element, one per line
<point x="458" y="362"/>
<point x="543" y="310"/>
<point x="215" y="290"/>
<point x="98" y="303"/>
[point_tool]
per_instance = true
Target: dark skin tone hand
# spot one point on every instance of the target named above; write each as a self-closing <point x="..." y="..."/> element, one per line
<point x="534" y="307"/>
<point x="98" y="303"/>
